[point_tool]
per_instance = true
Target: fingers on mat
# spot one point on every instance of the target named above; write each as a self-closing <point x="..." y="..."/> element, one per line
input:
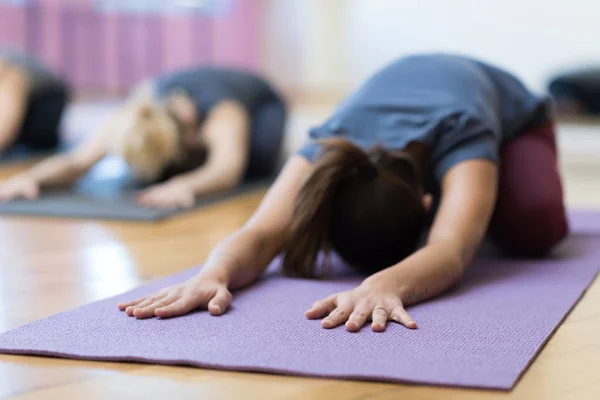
<point x="131" y="309"/>
<point x="220" y="302"/>
<point x="337" y="317"/>
<point x="123" y="306"/>
<point x="322" y="307"/>
<point x="357" y="319"/>
<point x="178" y="307"/>
<point x="380" y="318"/>
<point x="400" y="315"/>
<point x="148" y="310"/>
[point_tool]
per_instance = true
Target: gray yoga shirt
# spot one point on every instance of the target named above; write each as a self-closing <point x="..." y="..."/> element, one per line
<point x="459" y="107"/>
<point x="207" y="86"/>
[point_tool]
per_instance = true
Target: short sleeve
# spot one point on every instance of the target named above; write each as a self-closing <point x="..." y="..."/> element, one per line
<point x="309" y="151"/>
<point x="483" y="146"/>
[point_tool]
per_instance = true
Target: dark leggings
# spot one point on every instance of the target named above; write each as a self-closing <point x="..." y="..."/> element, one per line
<point x="40" y="129"/>
<point x="530" y="217"/>
<point x="268" y="125"/>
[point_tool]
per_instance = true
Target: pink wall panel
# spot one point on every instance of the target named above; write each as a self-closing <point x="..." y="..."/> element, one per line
<point x="108" y="50"/>
<point x="50" y="41"/>
<point x="111" y="56"/>
<point x="13" y="30"/>
<point x="235" y="36"/>
<point x="179" y="41"/>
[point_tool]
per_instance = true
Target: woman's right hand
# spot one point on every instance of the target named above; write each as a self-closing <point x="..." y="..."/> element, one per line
<point x="198" y="292"/>
<point x="19" y="187"/>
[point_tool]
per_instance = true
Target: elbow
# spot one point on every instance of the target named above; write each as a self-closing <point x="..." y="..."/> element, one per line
<point x="458" y="263"/>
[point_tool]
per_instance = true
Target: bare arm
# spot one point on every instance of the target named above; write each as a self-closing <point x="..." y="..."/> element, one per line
<point x="238" y="260"/>
<point x="64" y="169"/>
<point x="226" y="132"/>
<point x="244" y="256"/>
<point x="13" y="104"/>
<point x="467" y="203"/>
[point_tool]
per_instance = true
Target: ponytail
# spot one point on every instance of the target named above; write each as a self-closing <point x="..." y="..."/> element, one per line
<point x="309" y="231"/>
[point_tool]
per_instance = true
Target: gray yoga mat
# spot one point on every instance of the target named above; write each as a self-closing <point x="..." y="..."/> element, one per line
<point x="20" y="153"/>
<point x="107" y="193"/>
<point x="483" y="334"/>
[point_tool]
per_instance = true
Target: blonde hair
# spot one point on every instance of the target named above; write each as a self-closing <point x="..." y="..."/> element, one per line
<point x="147" y="139"/>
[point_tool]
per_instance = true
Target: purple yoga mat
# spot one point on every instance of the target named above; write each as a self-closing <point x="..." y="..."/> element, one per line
<point x="483" y="334"/>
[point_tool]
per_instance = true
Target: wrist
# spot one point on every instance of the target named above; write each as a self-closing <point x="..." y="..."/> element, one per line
<point x="182" y="183"/>
<point x="385" y="278"/>
<point x="27" y="175"/>
<point x="220" y="267"/>
<point x="217" y="276"/>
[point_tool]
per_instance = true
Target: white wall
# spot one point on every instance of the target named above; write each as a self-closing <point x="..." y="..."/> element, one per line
<point x="340" y="42"/>
<point x="304" y="43"/>
<point x="533" y="38"/>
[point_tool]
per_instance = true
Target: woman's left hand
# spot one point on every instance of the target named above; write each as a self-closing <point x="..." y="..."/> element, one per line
<point x="373" y="300"/>
<point x="168" y="195"/>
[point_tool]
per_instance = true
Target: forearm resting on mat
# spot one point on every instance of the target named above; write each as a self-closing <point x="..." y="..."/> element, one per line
<point x="65" y="169"/>
<point x="427" y="273"/>
<point x="208" y="179"/>
<point x="244" y="256"/>
<point x="241" y="258"/>
<point x="57" y="171"/>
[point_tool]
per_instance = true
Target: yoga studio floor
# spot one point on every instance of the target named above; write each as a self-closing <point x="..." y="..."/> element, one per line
<point x="49" y="266"/>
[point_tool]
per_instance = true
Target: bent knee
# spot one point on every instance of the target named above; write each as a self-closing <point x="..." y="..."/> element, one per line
<point x="533" y="230"/>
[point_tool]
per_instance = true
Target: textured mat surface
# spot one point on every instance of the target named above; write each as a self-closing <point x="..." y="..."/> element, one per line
<point x="483" y="334"/>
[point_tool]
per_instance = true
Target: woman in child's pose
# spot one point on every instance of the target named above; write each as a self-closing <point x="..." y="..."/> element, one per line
<point x="468" y="133"/>
<point x="189" y="133"/>
<point x="32" y="101"/>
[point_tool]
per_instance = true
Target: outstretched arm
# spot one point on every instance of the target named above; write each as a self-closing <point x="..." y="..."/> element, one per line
<point x="238" y="260"/>
<point x="64" y="169"/>
<point x="467" y="203"/>
<point x="250" y="250"/>
<point x="61" y="169"/>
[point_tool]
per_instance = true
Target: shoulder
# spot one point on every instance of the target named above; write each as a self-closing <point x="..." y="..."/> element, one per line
<point x="14" y="79"/>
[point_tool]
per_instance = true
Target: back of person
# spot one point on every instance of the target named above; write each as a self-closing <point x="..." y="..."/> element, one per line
<point x="209" y="85"/>
<point x="440" y="100"/>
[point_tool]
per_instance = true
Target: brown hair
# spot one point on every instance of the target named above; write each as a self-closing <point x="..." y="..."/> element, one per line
<point x="366" y="206"/>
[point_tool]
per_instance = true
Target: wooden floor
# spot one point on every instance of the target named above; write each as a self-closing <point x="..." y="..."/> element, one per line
<point x="48" y="266"/>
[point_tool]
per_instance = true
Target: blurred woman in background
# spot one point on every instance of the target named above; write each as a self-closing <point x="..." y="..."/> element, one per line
<point x="188" y="133"/>
<point x="32" y="101"/>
